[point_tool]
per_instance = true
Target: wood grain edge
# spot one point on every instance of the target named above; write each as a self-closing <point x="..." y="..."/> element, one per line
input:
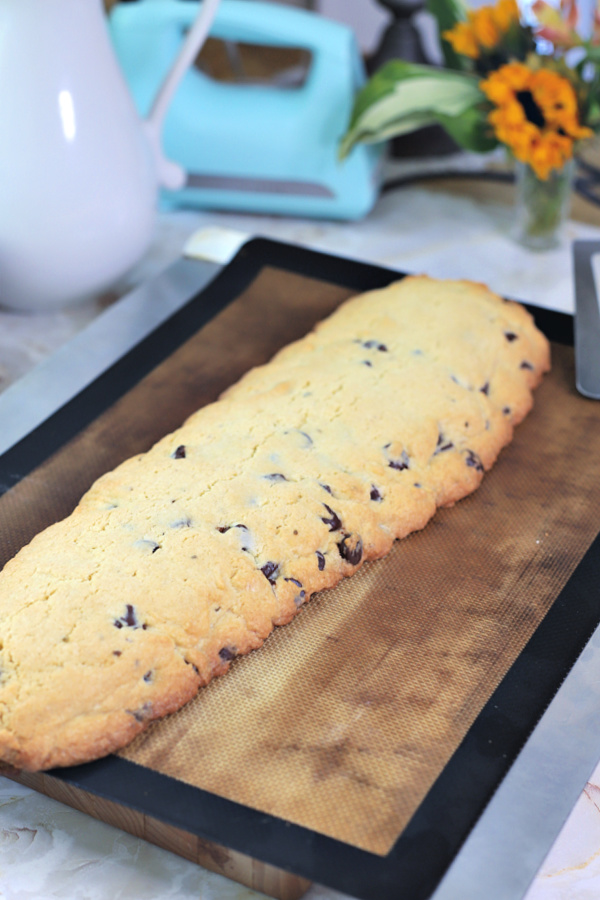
<point x="244" y="869"/>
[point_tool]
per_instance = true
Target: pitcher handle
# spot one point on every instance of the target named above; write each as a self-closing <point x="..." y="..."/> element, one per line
<point x="170" y="174"/>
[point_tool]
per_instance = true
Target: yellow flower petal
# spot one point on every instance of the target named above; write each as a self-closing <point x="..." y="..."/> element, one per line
<point x="505" y="13"/>
<point x="535" y="114"/>
<point x="484" y="27"/>
<point x="462" y="40"/>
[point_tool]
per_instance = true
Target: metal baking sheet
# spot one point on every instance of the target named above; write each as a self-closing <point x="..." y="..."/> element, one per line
<point x="234" y="324"/>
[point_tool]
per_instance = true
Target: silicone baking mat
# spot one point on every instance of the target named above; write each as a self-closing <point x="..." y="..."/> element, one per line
<point x="366" y="736"/>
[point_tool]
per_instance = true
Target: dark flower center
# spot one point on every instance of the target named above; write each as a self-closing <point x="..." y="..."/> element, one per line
<point x="532" y="111"/>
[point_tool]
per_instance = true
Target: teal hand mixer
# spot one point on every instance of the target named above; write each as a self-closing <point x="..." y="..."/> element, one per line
<point x="246" y="146"/>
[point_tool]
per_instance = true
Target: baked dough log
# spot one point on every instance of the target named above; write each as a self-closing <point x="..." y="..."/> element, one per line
<point x="188" y="555"/>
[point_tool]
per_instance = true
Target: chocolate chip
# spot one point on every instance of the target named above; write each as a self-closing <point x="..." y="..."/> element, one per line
<point x="375" y="345"/>
<point x="270" y="570"/>
<point x="351" y="552"/>
<point x="473" y="461"/>
<point x="375" y="494"/>
<point x="299" y="598"/>
<point x="179" y="453"/>
<point x="275" y="476"/>
<point x="401" y="462"/>
<point x="129" y="619"/>
<point x="506" y="410"/>
<point x="485" y="389"/>
<point x="148" y="677"/>
<point x="307" y="437"/>
<point x="145" y="544"/>
<point x="117" y="652"/>
<point x="320" y="560"/>
<point x="326" y="488"/>
<point x="227" y="653"/>
<point x="510" y="336"/>
<point x="181" y="523"/>
<point x="141" y="714"/>
<point x="527" y="365"/>
<point x="367" y="362"/>
<point x="442" y="445"/>
<point x="334" y="522"/>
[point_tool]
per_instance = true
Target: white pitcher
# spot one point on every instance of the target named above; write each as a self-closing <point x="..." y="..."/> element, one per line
<point x="79" y="171"/>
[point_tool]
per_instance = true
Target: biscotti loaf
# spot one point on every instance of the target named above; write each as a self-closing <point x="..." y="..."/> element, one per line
<point x="188" y="555"/>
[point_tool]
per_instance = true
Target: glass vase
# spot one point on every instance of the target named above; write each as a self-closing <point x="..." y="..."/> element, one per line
<point x="542" y="206"/>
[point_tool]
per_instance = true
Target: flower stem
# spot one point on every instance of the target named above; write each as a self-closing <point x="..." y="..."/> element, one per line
<point x="542" y="206"/>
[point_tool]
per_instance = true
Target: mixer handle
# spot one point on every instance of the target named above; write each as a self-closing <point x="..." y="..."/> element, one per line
<point x="256" y="22"/>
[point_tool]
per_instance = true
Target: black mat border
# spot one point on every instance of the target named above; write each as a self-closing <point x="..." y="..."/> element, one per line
<point x="413" y="868"/>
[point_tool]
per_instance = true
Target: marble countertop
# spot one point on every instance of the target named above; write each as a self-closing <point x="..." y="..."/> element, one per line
<point x="48" y="850"/>
<point x="408" y="230"/>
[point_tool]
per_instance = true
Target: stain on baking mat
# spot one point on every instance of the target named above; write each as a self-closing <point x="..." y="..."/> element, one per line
<point x="345" y="718"/>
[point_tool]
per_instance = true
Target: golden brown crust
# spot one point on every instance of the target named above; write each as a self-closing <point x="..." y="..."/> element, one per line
<point x="184" y="557"/>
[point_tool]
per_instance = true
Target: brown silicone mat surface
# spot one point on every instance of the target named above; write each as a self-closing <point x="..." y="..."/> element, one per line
<point x="344" y="719"/>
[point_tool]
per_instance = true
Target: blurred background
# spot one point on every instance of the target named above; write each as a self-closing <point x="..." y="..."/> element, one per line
<point x="367" y="17"/>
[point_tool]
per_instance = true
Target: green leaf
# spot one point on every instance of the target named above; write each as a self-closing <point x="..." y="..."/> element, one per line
<point x="387" y="80"/>
<point x="592" y="53"/>
<point x="384" y="82"/>
<point x="471" y="130"/>
<point x="593" y="114"/>
<point x="447" y="14"/>
<point x="402" y="97"/>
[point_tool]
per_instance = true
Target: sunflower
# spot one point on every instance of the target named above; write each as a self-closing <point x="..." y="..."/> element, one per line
<point x="536" y="115"/>
<point x="484" y="29"/>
